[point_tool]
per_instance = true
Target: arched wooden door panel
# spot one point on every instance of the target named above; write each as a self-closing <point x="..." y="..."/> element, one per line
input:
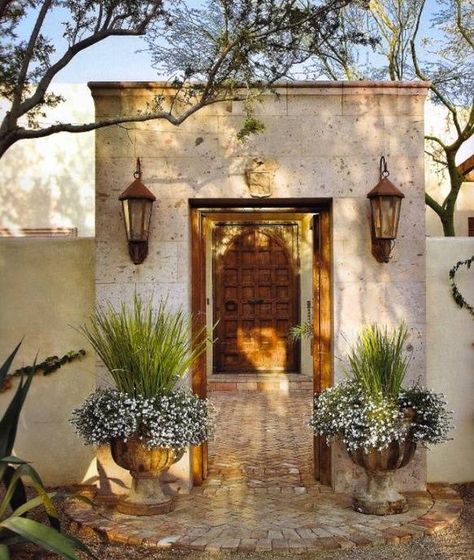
<point x="256" y="297"/>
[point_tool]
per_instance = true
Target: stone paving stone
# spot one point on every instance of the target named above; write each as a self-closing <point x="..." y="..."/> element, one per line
<point x="263" y="545"/>
<point x="261" y="495"/>
<point x="247" y="545"/>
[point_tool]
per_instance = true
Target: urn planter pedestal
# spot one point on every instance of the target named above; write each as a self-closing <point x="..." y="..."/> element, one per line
<point x="380" y="496"/>
<point x="146" y="496"/>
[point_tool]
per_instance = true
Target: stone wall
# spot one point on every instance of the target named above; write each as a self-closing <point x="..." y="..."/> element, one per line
<point x="326" y="139"/>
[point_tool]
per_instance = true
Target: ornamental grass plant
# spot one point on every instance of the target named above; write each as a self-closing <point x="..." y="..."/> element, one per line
<point x="369" y="409"/>
<point x="378" y="361"/>
<point x="147" y="351"/>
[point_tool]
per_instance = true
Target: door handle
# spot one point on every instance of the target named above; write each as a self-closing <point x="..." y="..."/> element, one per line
<point x="255" y="301"/>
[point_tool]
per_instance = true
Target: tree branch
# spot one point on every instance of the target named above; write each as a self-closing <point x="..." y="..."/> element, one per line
<point x="23" y="133"/>
<point x="4" y="4"/>
<point x="435" y="158"/>
<point x="435" y="139"/>
<point x="444" y="100"/>
<point x="464" y="32"/>
<point x="431" y="202"/>
<point x="27" y="58"/>
<point x="71" y="52"/>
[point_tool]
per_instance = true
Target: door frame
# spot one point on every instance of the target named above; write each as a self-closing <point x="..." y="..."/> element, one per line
<point x="322" y="302"/>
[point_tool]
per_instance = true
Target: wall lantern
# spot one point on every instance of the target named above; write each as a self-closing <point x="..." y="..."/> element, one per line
<point x="385" y="201"/>
<point x="137" y="203"/>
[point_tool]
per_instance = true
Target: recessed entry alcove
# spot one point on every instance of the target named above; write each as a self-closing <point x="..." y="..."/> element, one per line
<point x="259" y="269"/>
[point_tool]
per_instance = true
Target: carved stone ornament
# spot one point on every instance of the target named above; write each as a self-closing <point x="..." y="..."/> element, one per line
<point x="260" y="174"/>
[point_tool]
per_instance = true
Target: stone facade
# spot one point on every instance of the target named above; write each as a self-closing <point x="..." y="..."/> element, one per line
<point x="326" y="140"/>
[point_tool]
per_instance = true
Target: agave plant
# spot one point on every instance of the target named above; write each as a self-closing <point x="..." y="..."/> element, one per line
<point x="15" y="527"/>
<point x="146" y="351"/>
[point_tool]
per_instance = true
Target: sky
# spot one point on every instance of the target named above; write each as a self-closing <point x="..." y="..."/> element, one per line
<point x="115" y="59"/>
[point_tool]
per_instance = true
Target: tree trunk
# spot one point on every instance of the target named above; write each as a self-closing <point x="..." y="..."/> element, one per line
<point x="449" y="205"/>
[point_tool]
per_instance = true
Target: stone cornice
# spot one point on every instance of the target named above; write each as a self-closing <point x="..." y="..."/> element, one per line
<point x="292" y="88"/>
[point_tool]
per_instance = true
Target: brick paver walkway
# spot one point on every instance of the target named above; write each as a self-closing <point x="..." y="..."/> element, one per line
<point x="261" y="496"/>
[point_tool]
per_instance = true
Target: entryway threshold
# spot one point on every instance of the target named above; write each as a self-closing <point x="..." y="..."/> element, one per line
<point x="262" y="382"/>
<point x="234" y="519"/>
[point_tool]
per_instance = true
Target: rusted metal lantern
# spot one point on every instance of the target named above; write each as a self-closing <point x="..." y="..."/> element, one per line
<point x="137" y="204"/>
<point x="385" y="201"/>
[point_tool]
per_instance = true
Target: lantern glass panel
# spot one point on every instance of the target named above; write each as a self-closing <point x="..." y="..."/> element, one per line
<point x="385" y="216"/>
<point x="137" y="213"/>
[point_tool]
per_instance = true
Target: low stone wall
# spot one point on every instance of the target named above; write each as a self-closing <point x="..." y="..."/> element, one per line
<point x="47" y="288"/>
<point x="450" y="355"/>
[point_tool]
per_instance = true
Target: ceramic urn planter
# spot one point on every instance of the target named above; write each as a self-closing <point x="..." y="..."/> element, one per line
<point x="146" y="496"/>
<point x="381" y="497"/>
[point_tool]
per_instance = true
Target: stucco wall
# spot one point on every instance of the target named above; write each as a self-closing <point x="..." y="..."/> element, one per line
<point x="54" y="184"/>
<point x="47" y="287"/>
<point x="326" y="140"/>
<point x="450" y="357"/>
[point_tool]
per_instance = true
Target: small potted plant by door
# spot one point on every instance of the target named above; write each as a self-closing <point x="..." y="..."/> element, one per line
<point x="379" y="422"/>
<point x="147" y="420"/>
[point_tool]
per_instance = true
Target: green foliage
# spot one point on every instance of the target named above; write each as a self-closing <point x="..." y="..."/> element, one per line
<point x="378" y="363"/>
<point x="370" y="409"/>
<point x="303" y="330"/>
<point x="251" y="125"/>
<point x="146" y="351"/>
<point x="457" y="296"/>
<point x="9" y="421"/>
<point x="432" y="421"/>
<point x="14" y="527"/>
<point x="347" y="412"/>
<point x="415" y="40"/>
<point x="210" y="51"/>
<point x="172" y="420"/>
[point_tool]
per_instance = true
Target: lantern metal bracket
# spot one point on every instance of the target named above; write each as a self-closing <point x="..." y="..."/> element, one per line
<point x="138" y="171"/>
<point x="383" y="170"/>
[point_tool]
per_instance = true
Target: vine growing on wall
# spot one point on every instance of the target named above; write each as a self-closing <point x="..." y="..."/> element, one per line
<point x="47" y="366"/>
<point x="457" y="296"/>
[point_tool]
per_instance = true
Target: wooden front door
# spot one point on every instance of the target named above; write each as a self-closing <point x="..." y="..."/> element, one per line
<point x="256" y="297"/>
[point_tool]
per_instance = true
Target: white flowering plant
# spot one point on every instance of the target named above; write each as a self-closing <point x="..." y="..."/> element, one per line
<point x="347" y="412"/>
<point x="170" y="420"/>
<point x="371" y="409"/>
<point x="147" y="351"/>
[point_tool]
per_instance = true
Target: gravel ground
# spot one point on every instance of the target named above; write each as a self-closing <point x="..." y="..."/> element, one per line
<point x="455" y="544"/>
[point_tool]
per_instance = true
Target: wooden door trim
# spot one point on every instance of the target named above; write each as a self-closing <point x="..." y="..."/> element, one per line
<point x="322" y="328"/>
<point x="322" y="301"/>
<point x="198" y="310"/>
